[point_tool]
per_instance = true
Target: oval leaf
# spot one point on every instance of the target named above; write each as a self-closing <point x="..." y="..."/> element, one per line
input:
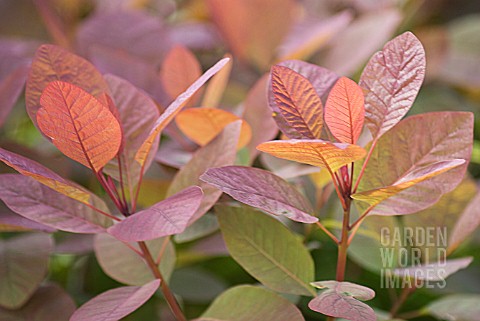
<point x="391" y="81"/>
<point x="347" y="288"/>
<point x="466" y="224"/>
<point x="79" y="125"/>
<point x="261" y="189"/>
<point x="202" y="124"/>
<point x="298" y="102"/>
<point x="375" y="196"/>
<point x="115" y="304"/>
<point x="456" y="307"/>
<point x="20" y="280"/>
<point x="53" y="63"/>
<point x="168" y="217"/>
<point x="259" y="243"/>
<point x="317" y="152"/>
<point x="35" y="201"/>
<point x="220" y="151"/>
<point x="123" y="264"/>
<point x="251" y="303"/>
<point x="437" y="271"/>
<point x="416" y="142"/>
<point x="344" y="111"/>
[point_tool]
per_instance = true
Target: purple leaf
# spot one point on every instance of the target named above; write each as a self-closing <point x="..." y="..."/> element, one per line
<point x="77" y="244"/>
<point x="261" y="189"/>
<point x="121" y="263"/>
<point x="23" y="266"/>
<point x="32" y="200"/>
<point x="14" y="222"/>
<point x="221" y="151"/>
<point x="259" y="116"/>
<point x="115" y="304"/>
<point x="134" y="32"/>
<point x="47" y="301"/>
<point x="168" y="217"/>
<point x="138" y="113"/>
<point x="437" y="271"/>
<point x="321" y="79"/>
<point x="432" y="137"/>
<point x="10" y="89"/>
<point x="340" y="300"/>
<point x="391" y="81"/>
<point x="352" y="47"/>
<point x="466" y="224"/>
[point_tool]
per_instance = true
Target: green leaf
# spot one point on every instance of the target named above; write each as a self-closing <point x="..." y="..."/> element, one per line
<point x="267" y="250"/>
<point x="458" y="307"/>
<point x="250" y="303"/>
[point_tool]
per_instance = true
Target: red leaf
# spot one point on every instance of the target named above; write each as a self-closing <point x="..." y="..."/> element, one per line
<point x="53" y="63"/>
<point x="115" y="304"/>
<point x="391" y="81"/>
<point x="344" y="111"/>
<point x="32" y="200"/>
<point x="168" y="217"/>
<point x="261" y="189"/>
<point x="79" y="125"/>
<point x="297" y="101"/>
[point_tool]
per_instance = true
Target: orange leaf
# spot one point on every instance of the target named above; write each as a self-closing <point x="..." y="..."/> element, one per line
<point x="375" y="196"/>
<point x="180" y="68"/>
<point x="203" y="124"/>
<point x="298" y="101"/>
<point x="173" y="109"/>
<point x="314" y="152"/>
<point x="216" y="87"/>
<point x="79" y="125"/>
<point x="345" y="111"/>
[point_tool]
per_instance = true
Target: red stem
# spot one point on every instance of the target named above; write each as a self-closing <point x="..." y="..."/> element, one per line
<point x="374" y="143"/>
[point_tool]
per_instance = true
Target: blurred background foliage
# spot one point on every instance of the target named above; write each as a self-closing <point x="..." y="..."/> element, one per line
<point x="132" y="38"/>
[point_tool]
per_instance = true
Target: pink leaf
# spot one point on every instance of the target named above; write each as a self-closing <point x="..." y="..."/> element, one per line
<point x="10" y="88"/>
<point x="340" y="301"/>
<point x="466" y="224"/>
<point x="436" y="271"/>
<point x="168" y="217"/>
<point x="391" y="81"/>
<point x="115" y="304"/>
<point x="261" y="189"/>
<point x="32" y="200"/>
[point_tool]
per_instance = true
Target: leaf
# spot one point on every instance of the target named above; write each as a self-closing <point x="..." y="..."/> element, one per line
<point x="205" y="225"/>
<point x="10" y="89"/>
<point x="168" y="217"/>
<point x="344" y="111"/>
<point x="179" y="69"/>
<point x="391" y="81"/>
<point x="320" y="78"/>
<point x="216" y="87"/>
<point x="220" y="151"/>
<point x="259" y="244"/>
<point x="251" y="303"/>
<point x="461" y="307"/>
<point x="413" y="177"/>
<point x="465" y="225"/>
<point x="298" y="102"/>
<point x="261" y="189"/>
<point x="352" y="47"/>
<point x="202" y="124"/>
<point x="253" y="29"/>
<point x="138" y="112"/>
<point x="47" y="301"/>
<point x="35" y="201"/>
<point x="416" y="142"/>
<point x="437" y="271"/>
<point x="197" y="285"/>
<point x="310" y="35"/>
<point x="23" y="266"/>
<point x="317" y="152"/>
<point x="12" y="222"/>
<point x="79" y="125"/>
<point x="122" y="264"/>
<point x="259" y="116"/>
<point x="53" y="63"/>
<point x="340" y="301"/>
<point x="172" y="111"/>
<point x="115" y="304"/>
